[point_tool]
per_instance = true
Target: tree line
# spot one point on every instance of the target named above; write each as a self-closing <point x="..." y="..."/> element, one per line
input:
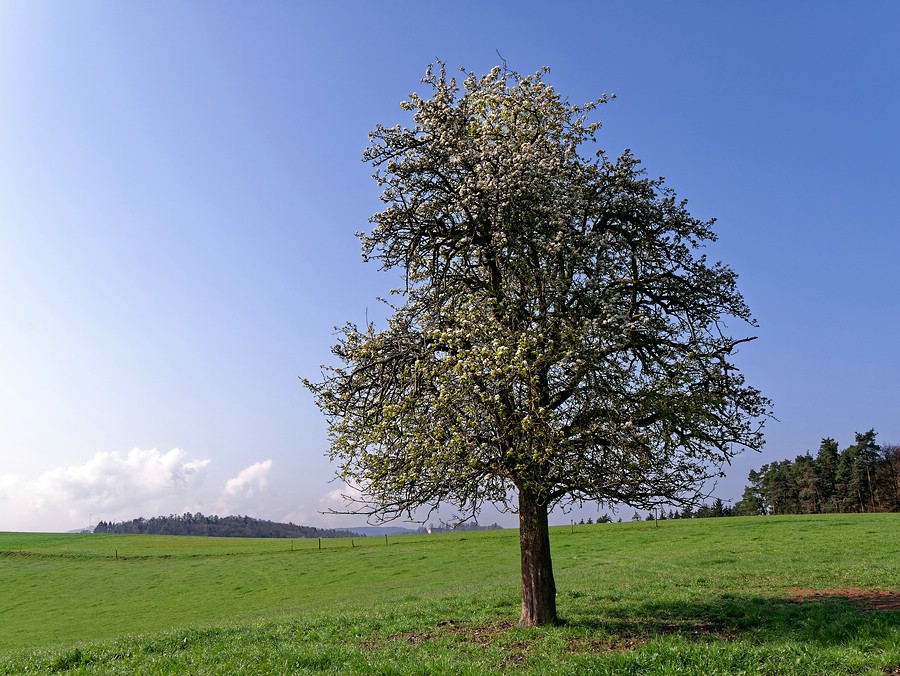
<point x="864" y="477"/>
<point x="711" y="510"/>
<point x="219" y="526"/>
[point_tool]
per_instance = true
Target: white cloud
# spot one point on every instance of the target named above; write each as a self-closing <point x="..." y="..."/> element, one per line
<point x="334" y="504"/>
<point x="341" y="499"/>
<point x="248" y="492"/>
<point x="250" y="481"/>
<point x="145" y="483"/>
<point x="109" y="486"/>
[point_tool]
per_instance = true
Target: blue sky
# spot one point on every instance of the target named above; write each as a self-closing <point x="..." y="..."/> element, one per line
<point x="180" y="184"/>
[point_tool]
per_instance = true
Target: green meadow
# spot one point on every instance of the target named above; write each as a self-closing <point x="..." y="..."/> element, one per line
<point x="758" y="595"/>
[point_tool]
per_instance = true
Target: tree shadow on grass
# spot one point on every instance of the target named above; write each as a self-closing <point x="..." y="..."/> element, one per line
<point x="823" y="620"/>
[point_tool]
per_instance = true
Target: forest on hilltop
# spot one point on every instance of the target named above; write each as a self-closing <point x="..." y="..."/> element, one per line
<point x="219" y="526"/>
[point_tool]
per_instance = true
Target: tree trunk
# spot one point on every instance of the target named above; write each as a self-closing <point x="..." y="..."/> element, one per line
<point x="538" y="588"/>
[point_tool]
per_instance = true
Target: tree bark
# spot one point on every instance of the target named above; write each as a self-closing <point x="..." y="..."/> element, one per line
<point x="538" y="587"/>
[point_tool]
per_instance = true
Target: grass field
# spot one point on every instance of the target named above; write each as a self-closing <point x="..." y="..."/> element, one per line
<point x="774" y="595"/>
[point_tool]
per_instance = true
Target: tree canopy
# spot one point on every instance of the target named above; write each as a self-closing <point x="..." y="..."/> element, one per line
<point x="560" y="336"/>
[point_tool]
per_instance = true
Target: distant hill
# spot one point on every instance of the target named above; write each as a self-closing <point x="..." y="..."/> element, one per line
<point x="218" y="526"/>
<point x="376" y="531"/>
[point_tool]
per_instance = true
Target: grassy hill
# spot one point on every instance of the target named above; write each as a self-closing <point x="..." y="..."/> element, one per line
<point x="773" y="595"/>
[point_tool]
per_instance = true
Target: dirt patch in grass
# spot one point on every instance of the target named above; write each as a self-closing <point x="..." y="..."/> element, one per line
<point x="480" y="635"/>
<point x="515" y="650"/>
<point x="697" y="628"/>
<point x="629" y="633"/>
<point x="869" y="600"/>
<point x="625" y="637"/>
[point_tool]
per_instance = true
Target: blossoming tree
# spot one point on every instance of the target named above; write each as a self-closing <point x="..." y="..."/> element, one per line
<point x="560" y="337"/>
